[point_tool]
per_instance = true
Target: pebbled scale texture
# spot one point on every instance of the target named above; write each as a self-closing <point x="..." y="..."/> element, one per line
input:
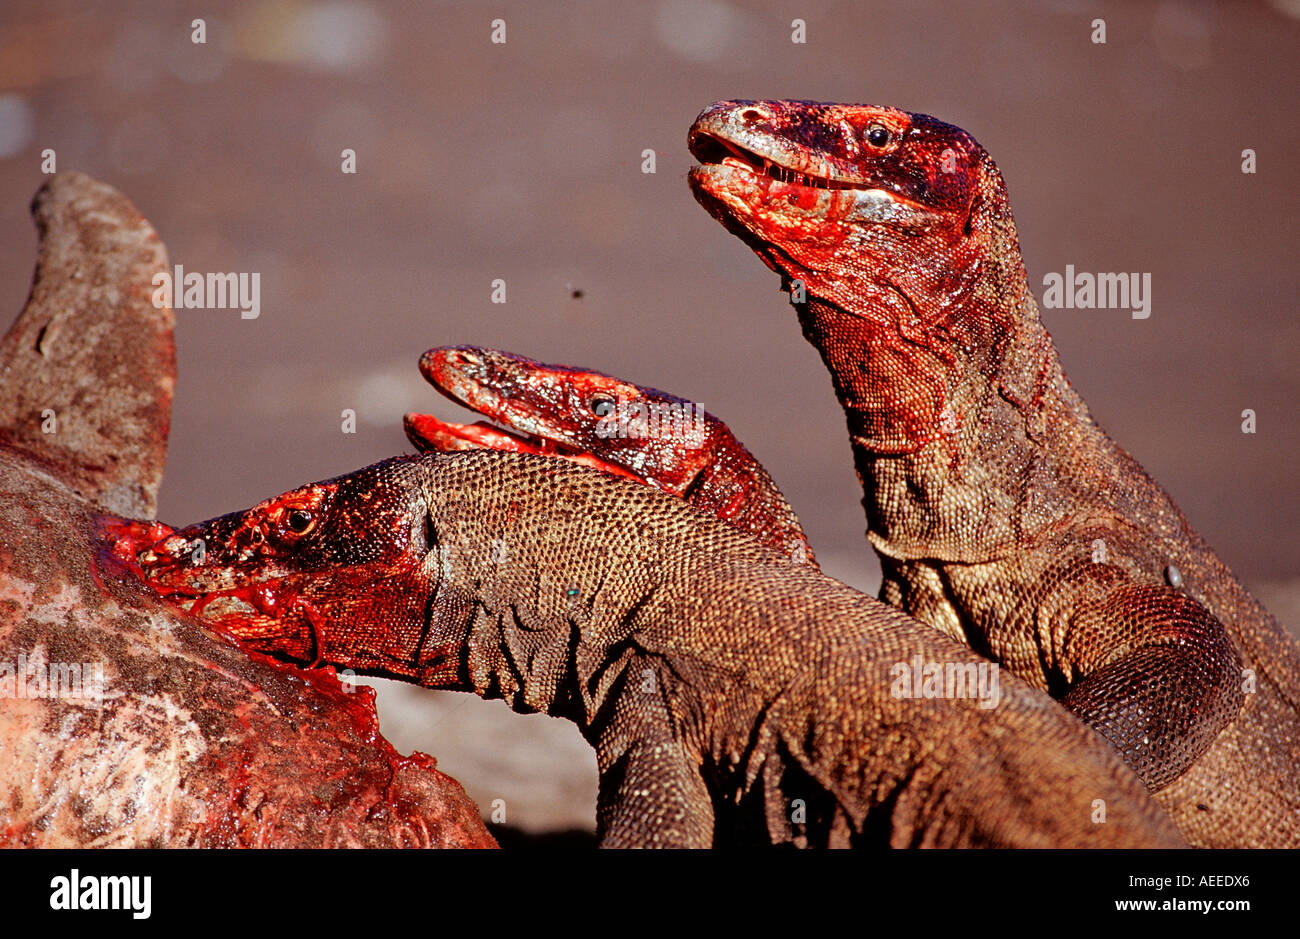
<point x="1002" y="514"/>
<point x="732" y="695"/>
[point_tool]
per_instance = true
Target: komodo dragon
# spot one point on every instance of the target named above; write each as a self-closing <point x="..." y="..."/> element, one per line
<point x="732" y="695"/>
<point x="598" y="420"/>
<point x="1002" y="514"/>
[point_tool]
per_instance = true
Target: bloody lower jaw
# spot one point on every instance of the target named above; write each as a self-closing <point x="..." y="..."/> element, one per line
<point x="260" y="617"/>
<point x="267" y="616"/>
<point x="259" y="606"/>
<point x="429" y="433"/>
<point x="714" y="151"/>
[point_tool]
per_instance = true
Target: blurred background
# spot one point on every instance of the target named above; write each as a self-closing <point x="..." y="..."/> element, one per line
<point x="522" y="161"/>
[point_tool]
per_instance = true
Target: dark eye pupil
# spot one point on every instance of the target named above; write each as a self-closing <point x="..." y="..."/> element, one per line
<point x="877" y="135"/>
<point x="299" y="520"/>
<point x="602" y="405"/>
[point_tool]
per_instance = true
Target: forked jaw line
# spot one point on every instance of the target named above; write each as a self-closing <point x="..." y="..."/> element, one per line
<point x="711" y="149"/>
<point x="488" y="435"/>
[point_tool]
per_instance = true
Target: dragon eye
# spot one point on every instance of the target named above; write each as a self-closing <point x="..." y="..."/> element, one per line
<point x="878" y="135"/>
<point x="300" y="520"/>
<point x="602" y="405"/>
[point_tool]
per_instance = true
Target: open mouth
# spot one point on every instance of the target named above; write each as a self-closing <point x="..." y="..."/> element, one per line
<point x="713" y="150"/>
<point x="429" y="433"/>
<point x="249" y="611"/>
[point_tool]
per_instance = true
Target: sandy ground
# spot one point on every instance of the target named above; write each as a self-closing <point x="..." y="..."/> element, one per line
<point x="522" y="161"/>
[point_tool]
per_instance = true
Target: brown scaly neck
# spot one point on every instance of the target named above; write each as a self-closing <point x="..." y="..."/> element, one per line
<point x="735" y="487"/>
<point x="952" y="413"/>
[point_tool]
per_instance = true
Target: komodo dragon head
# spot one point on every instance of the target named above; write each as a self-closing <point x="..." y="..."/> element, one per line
<point x="893" y="235"/>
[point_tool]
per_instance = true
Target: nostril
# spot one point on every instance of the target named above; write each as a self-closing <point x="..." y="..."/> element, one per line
<point x="753" y="115"/>
<point x="461" y="357"/>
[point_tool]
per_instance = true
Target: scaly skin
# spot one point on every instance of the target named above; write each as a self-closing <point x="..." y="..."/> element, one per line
<point x="732" y="696"/>
<point x="575" y="413"/>
<point x="1001" y="512"/>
